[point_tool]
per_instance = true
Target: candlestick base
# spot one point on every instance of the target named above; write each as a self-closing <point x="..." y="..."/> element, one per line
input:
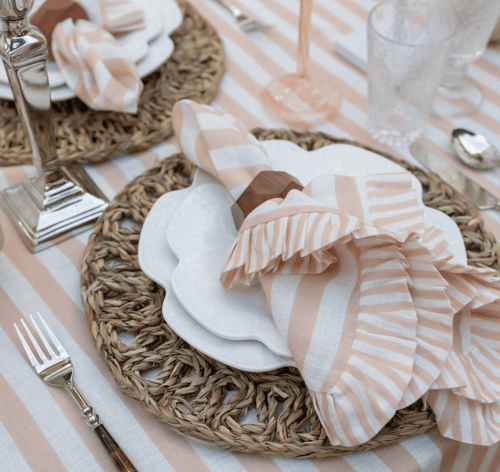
<point x="47" y="211"/>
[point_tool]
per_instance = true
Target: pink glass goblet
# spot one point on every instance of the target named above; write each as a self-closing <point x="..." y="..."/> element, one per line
<point x="302" y="100"/>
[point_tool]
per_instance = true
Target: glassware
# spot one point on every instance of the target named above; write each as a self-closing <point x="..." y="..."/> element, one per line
<point x="302" y="100"/>
<point x="476" y="21"/>
<point x="408" y="46"/>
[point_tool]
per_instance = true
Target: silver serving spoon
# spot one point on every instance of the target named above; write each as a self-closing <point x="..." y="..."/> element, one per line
<point x="474" y="149"/>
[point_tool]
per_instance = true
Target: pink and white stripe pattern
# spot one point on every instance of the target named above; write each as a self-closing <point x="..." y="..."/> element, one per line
<point x="466" y="395"/>
<point x="373" y="310"/>
<point x="383" y="348"/>
<point x="219" y="144"/>
<point x="294" y="235"/>
<point x="49" y="282"/>
<point x="465" y="420"/>
<point x="121" y="16"/>
<point x="96" y="67"/>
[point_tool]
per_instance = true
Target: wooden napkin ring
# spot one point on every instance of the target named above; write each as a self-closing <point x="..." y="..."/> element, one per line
<point x="53" y="12"/>
<point x="266" y="185"/>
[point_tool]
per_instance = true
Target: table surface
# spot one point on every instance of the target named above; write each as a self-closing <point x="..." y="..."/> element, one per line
<point x="40" y="427"/>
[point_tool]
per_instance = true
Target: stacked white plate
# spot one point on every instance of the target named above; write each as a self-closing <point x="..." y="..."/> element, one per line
<point x="188" y="234"/>
<point x="149" y="48"/>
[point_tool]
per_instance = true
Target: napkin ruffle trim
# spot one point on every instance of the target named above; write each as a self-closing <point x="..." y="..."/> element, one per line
<point x="286" y="238"/>
<point x="472" y="366"/>
<point x="466" y="396"/>
<point x="429" y="292"/>
<point x="465" y="311"/>
<point x="358" y="397"/>
<point x="386" y="371"/>
<point x="465" y="420"/>
<point x="294" y="235"/>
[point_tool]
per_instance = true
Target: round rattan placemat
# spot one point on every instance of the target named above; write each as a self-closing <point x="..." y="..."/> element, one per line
<point x="193" y="71"/>
<point x="188" y="394"/>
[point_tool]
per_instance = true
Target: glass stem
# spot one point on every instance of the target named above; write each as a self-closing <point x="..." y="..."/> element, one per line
<point x="454" y="73"/>
<point x="303" y="48"/>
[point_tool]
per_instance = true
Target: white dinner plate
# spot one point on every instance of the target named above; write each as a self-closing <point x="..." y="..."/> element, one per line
<point x="149" y="48"/>
<point x="284" y="156"/>
<point x="202" y="249"/>
<point x="158" y="262"/>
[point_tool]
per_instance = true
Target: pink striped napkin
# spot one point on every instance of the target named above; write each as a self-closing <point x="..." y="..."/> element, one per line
<point x="466" y="395"/>
<point x="93" y="64"/>
<point x="96" y="67"/>
<point x="373" y="310"/>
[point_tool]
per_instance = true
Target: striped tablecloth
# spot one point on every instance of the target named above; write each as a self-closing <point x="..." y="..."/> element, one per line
<point x="40" y="427"/>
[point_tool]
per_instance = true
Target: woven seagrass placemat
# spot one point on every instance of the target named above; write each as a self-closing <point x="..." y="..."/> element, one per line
<point x="188" y="394"/>
<point x="193" y="71"/>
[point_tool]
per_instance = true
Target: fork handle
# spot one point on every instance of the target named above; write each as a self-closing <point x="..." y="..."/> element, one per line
<point x="114" y="451"/>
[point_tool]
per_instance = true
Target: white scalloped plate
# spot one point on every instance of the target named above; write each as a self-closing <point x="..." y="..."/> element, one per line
<point x="201" y="241"/>
<point x="149" y="48"/>
<point x="220" y="311"/>
<point x="158" y="262"/>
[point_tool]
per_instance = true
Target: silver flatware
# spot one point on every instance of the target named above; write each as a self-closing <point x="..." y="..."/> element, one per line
<point x="246" y="24"/>
<point x="58" y="372"/>
<point x="474" y="149"/>
<point x="472" y="191"/>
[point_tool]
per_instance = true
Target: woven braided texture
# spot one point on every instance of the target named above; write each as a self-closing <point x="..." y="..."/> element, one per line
<point x="189" y="392"/>
<point x="193" y="71"/>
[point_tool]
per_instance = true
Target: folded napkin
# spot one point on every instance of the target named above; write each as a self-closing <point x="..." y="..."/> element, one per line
<point x="94" y="65"/>
<point x="374" y="311"/>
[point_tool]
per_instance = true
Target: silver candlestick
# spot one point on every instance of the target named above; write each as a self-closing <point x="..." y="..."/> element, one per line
<point x="62" y="199"/>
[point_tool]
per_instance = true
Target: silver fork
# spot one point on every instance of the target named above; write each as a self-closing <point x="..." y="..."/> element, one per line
<point x="58" y="372"/>
<point x="246" y="24"/>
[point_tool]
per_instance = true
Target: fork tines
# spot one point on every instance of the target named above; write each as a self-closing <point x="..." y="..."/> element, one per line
<point x="31" y="356"/>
